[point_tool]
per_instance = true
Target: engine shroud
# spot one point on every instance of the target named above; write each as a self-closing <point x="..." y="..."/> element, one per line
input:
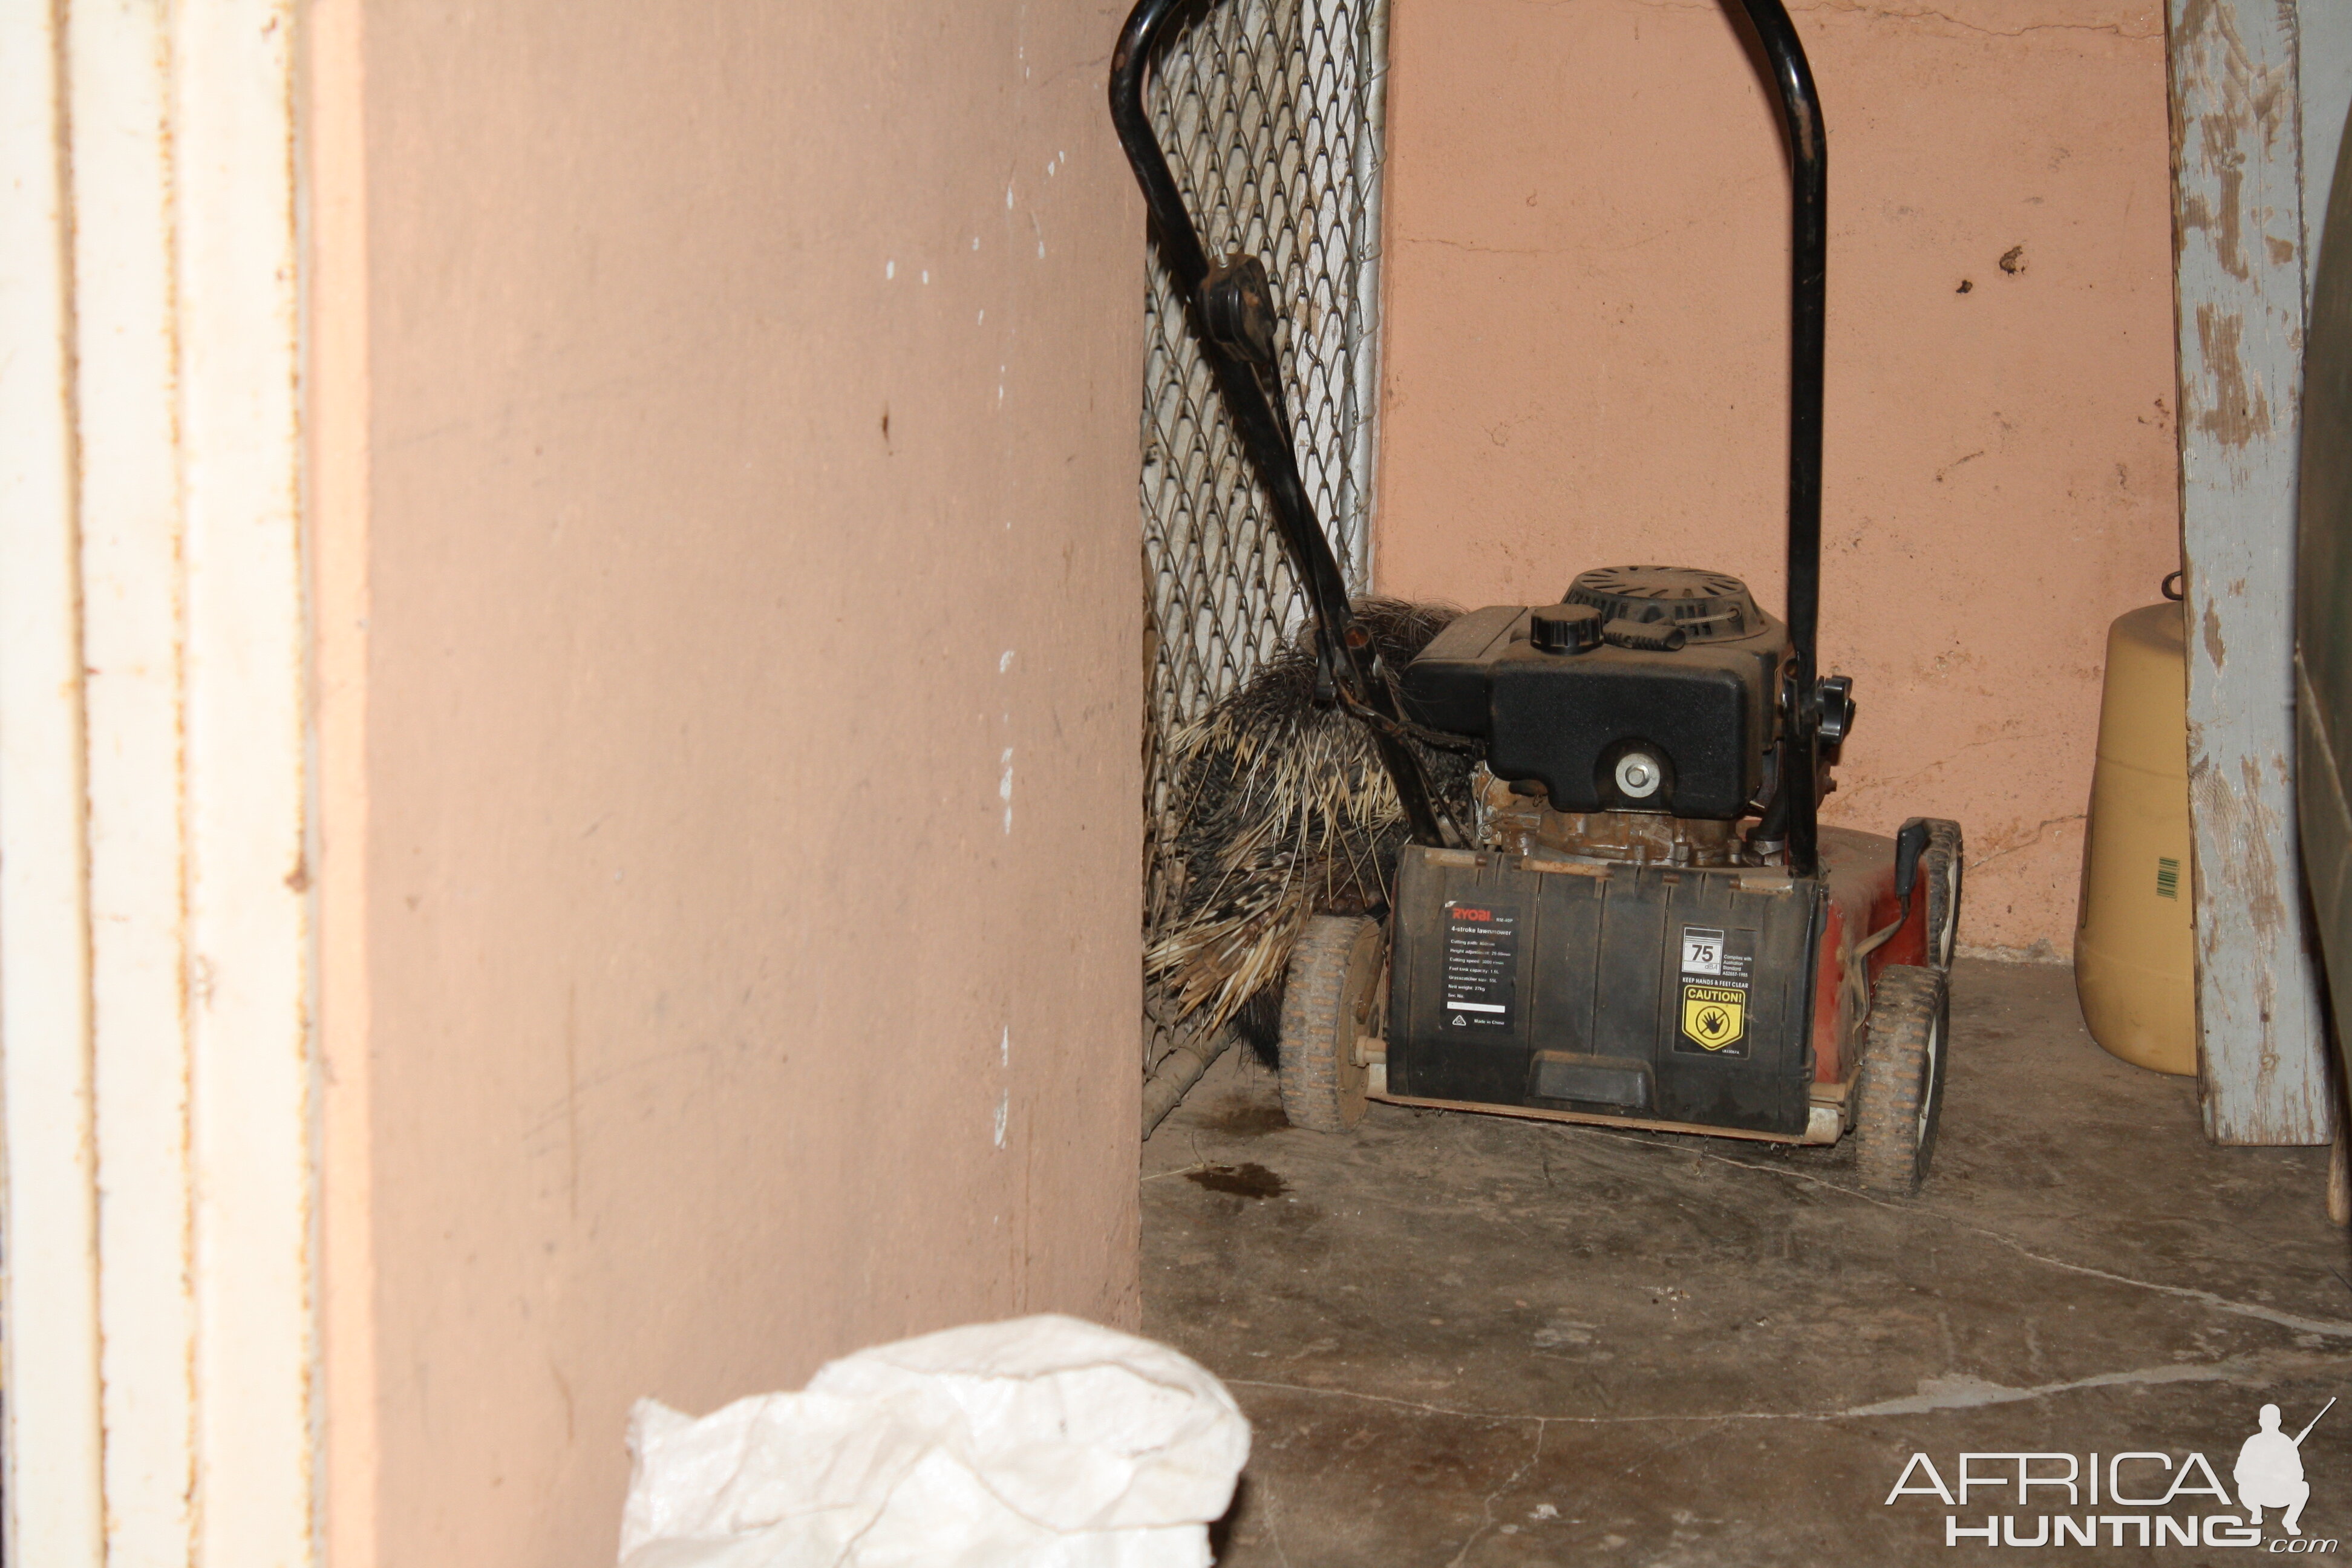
<point x="1566" y="719"/>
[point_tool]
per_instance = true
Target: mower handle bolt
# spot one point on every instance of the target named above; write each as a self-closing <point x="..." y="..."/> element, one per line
<point x="1237" y="307"/>
<point x="1833" y="709"/>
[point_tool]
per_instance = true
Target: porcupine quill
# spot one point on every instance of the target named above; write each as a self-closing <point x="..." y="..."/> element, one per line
<point x="1284" y="813"/>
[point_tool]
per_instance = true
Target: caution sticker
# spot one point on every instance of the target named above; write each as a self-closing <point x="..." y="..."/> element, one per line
<point x="1715" y="1018"/>
<point x="1716" y="969"/>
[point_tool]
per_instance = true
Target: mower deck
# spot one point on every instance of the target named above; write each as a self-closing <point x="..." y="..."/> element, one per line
<point x="1826" y="1125"/>
<point x="1620" y="993"/>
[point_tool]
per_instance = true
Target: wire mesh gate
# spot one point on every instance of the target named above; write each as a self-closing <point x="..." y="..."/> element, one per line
<point x="1270" y="111"/>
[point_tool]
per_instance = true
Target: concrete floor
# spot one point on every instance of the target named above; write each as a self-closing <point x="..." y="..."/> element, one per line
<point x="1470" y="1340"/>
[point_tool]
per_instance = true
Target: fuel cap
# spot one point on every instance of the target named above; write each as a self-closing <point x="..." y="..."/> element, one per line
<point x="1565" y="628"/>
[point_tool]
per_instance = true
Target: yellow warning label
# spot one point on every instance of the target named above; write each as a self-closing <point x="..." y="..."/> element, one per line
<point x="1714" y="1016"/>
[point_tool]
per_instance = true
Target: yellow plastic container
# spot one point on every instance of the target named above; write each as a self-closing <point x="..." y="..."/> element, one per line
<point x="2135" y="943"/>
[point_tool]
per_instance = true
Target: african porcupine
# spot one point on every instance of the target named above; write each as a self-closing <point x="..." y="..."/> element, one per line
<point x="1286" y="812"/>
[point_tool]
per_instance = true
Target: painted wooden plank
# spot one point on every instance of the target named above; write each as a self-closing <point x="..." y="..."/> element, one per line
<point x="48" y="1297"/>
<point x="2238" y="223"/>
<point x="155" y="1046"/>
<point x="247" y="887"/>
<point x="120" y="151"/>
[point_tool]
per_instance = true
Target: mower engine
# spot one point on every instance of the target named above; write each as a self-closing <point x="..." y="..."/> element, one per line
<point x="1609" y="949"/>
<point x="1648" y="689"/>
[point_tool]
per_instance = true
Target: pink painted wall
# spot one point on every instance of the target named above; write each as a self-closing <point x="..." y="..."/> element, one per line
<point x="734" y="495"/>
<point x="1586" y="351"/>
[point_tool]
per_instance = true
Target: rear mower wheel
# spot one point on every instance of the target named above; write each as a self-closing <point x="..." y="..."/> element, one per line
<point x="1901" y="1092"/>
<point x="1941" y="865"/>
<point x="1331" y="998"/>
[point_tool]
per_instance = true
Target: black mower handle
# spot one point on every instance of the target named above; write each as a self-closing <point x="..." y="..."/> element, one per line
<point x="1809" y="186"/>
<point x="1231" y="307"/>
<point x="1216" y="298"/>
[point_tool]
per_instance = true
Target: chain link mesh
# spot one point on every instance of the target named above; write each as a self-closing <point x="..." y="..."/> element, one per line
<point x="1270" y="113"/>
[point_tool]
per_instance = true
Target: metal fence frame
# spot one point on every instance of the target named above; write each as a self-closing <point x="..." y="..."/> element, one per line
<point x="1272" y="114"/>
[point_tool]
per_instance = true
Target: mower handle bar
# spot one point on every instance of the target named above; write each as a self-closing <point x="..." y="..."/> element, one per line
<point x="1345" y="648"/>
<point x="1364" y="685"/>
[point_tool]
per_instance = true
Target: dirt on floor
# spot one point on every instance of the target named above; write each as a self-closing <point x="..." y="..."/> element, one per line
<point x="1473" y="1340"/>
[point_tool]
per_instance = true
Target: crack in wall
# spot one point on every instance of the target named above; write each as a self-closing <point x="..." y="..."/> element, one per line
<point x="1930" y="14"/>
<point x="1914" y="15"/>
<point x="2032" y="838"/>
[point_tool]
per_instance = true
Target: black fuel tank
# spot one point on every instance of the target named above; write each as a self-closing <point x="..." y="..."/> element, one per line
<point x="1566" y="714"/>
<point x="1664" y="993"/>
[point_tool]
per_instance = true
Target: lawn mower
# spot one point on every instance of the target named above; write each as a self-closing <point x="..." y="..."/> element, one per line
<point x="1638" y="919"/>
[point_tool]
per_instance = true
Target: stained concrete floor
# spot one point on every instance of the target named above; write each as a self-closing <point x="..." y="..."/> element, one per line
<point x="1468" y="1340"/>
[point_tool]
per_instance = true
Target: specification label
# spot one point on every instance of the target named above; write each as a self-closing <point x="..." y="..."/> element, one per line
<point x="1481" y="966"/>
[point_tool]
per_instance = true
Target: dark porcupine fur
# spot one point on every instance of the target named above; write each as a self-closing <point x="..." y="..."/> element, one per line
<point x="1286" y="812"/>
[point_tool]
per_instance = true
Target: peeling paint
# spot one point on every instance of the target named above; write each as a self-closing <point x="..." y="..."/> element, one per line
<point x="2239" y="296"/>
<point x="2247" y="872"/>
<point x="2238" y="411"/>
<point x="2221" y="91"/>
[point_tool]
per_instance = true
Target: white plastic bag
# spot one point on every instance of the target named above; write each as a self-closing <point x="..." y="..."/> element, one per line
<point x="1043" y="1442"/>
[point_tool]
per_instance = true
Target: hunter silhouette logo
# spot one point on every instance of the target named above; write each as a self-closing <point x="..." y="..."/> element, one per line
<point x="2269" y="1471"/>
<point x="1714" y="1016"/>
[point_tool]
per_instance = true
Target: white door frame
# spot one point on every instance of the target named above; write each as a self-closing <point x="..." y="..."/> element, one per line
<point x="156" y="1047"/>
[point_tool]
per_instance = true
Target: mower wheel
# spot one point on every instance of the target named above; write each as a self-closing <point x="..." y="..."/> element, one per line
<point x="1901" y="1091"/>
<point x="1332" y="998"/>
<point x="1941" y="866"/>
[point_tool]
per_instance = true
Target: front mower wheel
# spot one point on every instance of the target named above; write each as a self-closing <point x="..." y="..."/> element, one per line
<point x="1332" y="998"/>
<point x="1901" y="1091"/>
